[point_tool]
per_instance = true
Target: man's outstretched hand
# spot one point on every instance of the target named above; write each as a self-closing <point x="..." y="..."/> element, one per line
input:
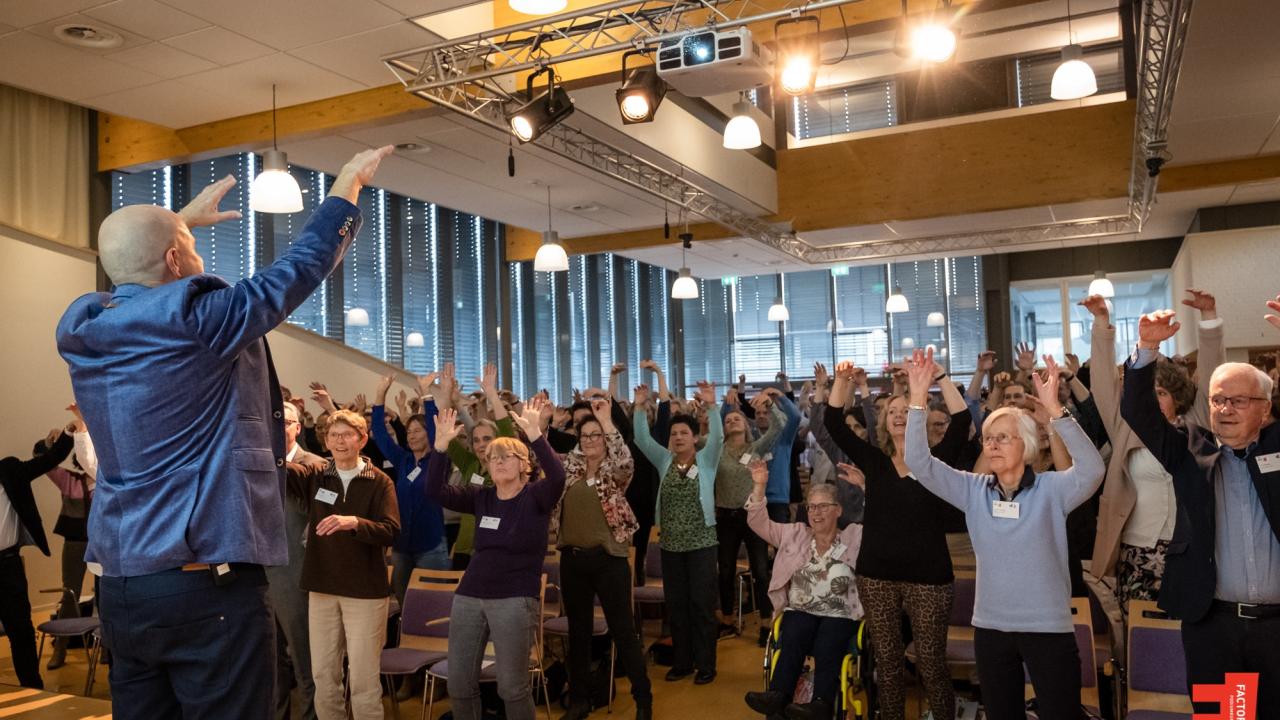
<point x="357" y="173"/>
<point x="203" y="209"/>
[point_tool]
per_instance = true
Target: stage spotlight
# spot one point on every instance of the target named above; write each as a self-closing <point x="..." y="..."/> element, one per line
<point x="539" y="114"/>
<point x="641" y="92"/>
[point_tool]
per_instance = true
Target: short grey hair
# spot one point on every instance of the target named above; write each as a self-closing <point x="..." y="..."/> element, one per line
<point x="1026" y="427"/>
<point x="1263" y="379"/>
<point x="291" y="411"/>
<point x="826" y="489"/>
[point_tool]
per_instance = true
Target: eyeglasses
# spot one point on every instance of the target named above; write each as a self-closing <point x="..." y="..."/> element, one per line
<point x="999" y="439"/>
<point x="820" y="507"/>
<point x="591" y="436"/>
<point x="342" y="435"/>
<point x="1238" y="402"/>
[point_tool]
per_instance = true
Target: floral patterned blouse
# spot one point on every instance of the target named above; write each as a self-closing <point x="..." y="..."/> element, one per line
<point x="822" y="585"/>
<point x="613" y="478"/>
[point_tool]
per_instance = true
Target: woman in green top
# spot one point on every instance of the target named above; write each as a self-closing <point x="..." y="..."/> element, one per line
<point x="473" y="462"/>
<point x="686" y="516"/>
<point x="733" y="487"/>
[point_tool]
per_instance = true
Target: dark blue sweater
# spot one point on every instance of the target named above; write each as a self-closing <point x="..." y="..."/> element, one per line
<point x="421" y="520"/>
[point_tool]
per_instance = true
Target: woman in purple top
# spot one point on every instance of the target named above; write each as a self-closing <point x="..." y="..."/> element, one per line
<point x="498" y="598"/>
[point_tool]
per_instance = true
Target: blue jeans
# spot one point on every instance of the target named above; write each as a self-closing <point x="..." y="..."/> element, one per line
<point x="403" y="564"/>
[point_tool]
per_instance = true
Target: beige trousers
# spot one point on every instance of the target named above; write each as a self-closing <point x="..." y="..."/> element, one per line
<point x="357" y="628"/>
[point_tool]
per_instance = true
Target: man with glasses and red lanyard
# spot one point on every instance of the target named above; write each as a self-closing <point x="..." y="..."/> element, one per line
<point x="1222" y="572"/>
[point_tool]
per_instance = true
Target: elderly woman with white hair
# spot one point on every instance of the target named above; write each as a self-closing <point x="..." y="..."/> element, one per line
<point x="1017" y="519"/>
<point x="813" y="587"/>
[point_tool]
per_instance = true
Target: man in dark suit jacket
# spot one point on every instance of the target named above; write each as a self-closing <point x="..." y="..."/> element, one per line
<point x="175" y="381"/>
<point x="20" y="525"/>
<point x="1222" y="571"/>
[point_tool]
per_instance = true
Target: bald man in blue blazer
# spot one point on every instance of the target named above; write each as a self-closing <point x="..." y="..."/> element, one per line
<point x="174" y="377"/>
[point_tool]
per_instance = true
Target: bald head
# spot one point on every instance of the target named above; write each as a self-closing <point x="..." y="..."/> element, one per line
<point x="147" y="245"/>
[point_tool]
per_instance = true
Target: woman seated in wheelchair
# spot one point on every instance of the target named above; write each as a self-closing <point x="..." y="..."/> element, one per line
<point x="813" y="590"/>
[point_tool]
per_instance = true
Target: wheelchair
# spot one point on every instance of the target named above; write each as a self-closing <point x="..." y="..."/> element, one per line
<point x="857" y="687"/>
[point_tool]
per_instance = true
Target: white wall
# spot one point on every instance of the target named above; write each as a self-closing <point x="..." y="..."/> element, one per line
<point x="301" y="356"/>
<point x="38" y="279"/>
<point x="1242" y="269"/>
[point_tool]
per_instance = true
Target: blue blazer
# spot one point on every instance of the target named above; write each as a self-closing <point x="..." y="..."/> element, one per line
<point x="178" y="390"/>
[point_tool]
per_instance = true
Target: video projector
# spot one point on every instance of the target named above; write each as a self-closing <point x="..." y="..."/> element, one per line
<point x="714" y="62"/>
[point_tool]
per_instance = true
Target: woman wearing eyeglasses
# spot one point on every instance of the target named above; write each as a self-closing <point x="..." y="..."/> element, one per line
<point x="1017" y="519"/>
<point x="813" y="587"/>
<point x="904" y="565"/>
<point x="595" y="525"/>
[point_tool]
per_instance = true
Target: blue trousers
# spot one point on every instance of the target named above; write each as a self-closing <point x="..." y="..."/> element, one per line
<point x="826" y="639"/>
<point x="182" y="646"/>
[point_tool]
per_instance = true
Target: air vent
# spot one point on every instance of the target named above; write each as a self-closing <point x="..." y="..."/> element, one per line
<point x="88" y="36"/>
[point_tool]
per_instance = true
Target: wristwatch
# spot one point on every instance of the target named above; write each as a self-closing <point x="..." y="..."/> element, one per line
<point x="1066" y="413"/>
<point x="915" y="407"/>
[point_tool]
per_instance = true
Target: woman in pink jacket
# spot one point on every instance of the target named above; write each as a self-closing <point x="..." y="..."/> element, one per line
<point x="813" y="587"/>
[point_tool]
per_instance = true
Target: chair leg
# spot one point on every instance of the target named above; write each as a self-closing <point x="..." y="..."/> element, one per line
<point x="40" y="650"/>
<point x="546" y="694"/>
<point x="428" y="696"/>
<point x="389" y="682"/>
<point x="613" y="662"/>
<point x="742" y="581"/>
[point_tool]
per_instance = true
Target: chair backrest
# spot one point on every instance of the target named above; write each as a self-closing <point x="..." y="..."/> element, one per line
<point x="965" y="586"/>
<point x="1082" y="623"/>
<point x="653" y="561"/>
<point x="1157" y="665"/>
<point x="429" y="597"/>
<point x="551" y="571"/>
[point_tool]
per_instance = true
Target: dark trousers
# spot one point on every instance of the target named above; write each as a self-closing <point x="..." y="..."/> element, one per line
<point x="732" y="531"/>
<point x="182" y="646"/>
<point x="689" y="584"/>
<point x="585" y="575"/>
<point x="640" y="541"/>
<point x="15" y="613"/>
<point x="1053" y="664"/>
<point x="1223" y="642"/>
<point x="824" y="638"/>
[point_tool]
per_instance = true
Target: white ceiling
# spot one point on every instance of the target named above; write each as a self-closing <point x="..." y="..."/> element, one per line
<point x="186" y="62"/>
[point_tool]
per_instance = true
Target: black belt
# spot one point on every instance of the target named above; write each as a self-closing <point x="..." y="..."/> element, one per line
<point x="1248" y="611"/>
<point x="12" y="551"/>
<point x="585" y="552"/>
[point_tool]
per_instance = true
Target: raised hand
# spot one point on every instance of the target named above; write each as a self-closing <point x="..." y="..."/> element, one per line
<point x="384" y="384"/>
<point x="74" y="409"/>
<point x="986" y="361"/>
<point x="1026" y="360"/>
<point x="820" y="375"/>
<point x="488" y="378"/>
<point x="52" y="437"/>
<point x="650" y="365"/>
<point x="845" y="370"/>
<point x="1073" y="364"/>
<point x="1273" y="319"/>
<point x="619" y="368"/>
<point x="402" y="403"/>
<point x="920" y="373"/>
<point x="852" y="475"/>
<point x="1097" y="307"/>
<point x="359" y="404"/>
<point x="759" y="476"/>
<point x="357" y="173"/>
<point x="706" y="393"/>
<point x="1046" y="386"/>
<point x="322" y="398"/>
<point x="530" y="421"/>
<point x="1156" y="327"/>
<point x="640" y="395"/>
<point x="427" y="382"/>
<point x="1001" y="377"/>
<point x="203" y="209"/>
<point x="603" y="412"/>
<point x="1205" y="302"/>
<point x="762" y="400"/>
<point x="447" y="428"/>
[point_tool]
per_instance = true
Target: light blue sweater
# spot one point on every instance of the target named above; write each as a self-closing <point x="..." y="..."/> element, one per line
<point x="1023" y="583"/>
<point x="707" y="459"/>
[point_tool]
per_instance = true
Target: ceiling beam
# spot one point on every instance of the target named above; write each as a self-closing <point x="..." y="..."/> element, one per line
<point x="128" y="144"/>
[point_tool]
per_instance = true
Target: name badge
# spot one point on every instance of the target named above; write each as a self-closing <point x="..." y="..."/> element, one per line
<point x="326" y="496"/>
<point x="745" y="459"/>
<point x="488" y="522"/>
<point x="388" y="465"/>
<point x="592" y="482"/>
<point x="1268" y="463"/>
<point x="692" y="473"/>
<point x="477" y="479"/>
<point x="414" y="475"/>
<point x="768" y="457"/>
<point x="1002" y="509"/>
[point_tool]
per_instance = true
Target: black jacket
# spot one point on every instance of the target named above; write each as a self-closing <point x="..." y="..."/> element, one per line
<point x="1190" y="455"/>
<point x="17" y="475"/>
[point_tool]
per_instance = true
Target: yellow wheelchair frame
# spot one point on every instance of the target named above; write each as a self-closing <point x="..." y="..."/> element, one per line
<point x="855" y="703"/>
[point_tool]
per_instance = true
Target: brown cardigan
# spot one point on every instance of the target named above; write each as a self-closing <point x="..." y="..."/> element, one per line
<point x="1118" y="494"/>
<point x="353" y="563"/>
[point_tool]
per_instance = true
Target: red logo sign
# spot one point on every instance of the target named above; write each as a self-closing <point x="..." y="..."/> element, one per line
<point x="1237" y="698"/>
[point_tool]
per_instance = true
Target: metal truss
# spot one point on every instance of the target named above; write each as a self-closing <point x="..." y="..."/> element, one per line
<point x="471" y="76"/>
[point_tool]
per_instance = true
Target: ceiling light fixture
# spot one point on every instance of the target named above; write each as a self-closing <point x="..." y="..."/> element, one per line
<point x="798" y="56"/>
<point x="778" y="312"/>
<point x="539" y="114"/>
<point x="908" y="343"/>
<point x="415" y="339"/>
<point x="358" y="317"/>
<point x="641" y="92"/>
<point x="685" y="287"/>
<point x="537" y="7"/>
<point x="741" y="132"/>
<point x="932" y="40"/>
<point x="551" y="256"/>
<point x="1074" y="78"/>
<point x="897" y="302"/>
<point x="936" y="319"/>
<point x="274" y="190"/>
<point x="1101" y="285"/>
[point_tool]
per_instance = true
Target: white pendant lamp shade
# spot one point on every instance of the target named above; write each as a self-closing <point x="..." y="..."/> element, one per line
<point x="358" y="317"/>
<point x="897" y="302"/>
<point x="275" y="190"/>
<point x="685" y="287"/>
<point x="1074" y="78"/>
<point x="908" y="343"/>
<point x="414" y="339"/>
<point x="778" y="312"/>
<point x="936" y="319"/>
<point x="538" y="7"/>
<point x="1101" y="285"/>
<point x="742" y="132"/>
<point x="551" y="256"/>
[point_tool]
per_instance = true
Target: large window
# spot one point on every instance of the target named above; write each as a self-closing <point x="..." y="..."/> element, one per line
<point x="845" y="110"/>
<point x="757" y="347"/>
<point x="708" y="333"/>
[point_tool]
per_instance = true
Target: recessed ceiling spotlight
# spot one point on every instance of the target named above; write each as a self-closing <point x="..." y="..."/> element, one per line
<point x="88" y="36"/>
<point x="585" y="207"/>
<point x="413" y="147"/>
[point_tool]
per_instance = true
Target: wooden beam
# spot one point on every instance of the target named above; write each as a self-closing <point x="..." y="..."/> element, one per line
<point x="128" y="144"/>
<point x="1225" y="172"/>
